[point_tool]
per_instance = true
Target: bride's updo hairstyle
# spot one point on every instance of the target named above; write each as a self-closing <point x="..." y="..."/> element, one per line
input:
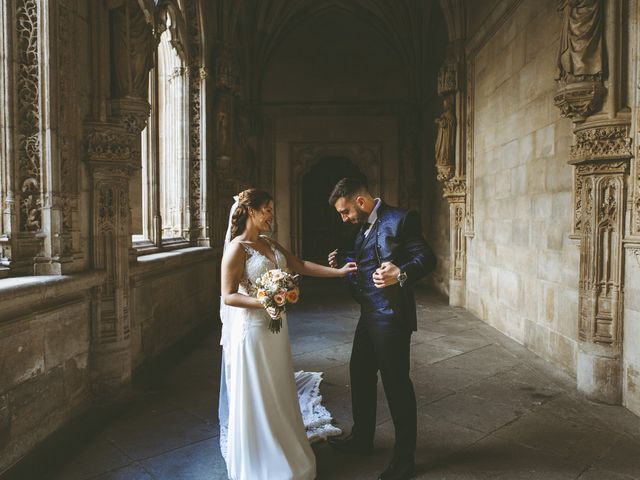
<point x="250" y="198"/>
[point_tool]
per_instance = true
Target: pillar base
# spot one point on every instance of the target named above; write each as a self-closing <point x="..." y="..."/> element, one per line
<point x="456" y="293"/>
<point x="600" y="378"/>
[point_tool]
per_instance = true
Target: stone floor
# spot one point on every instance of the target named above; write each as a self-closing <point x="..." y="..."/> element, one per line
<point x="488" y="409"/>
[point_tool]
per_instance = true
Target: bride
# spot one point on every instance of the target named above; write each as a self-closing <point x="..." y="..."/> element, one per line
<point x="262" y="429"/>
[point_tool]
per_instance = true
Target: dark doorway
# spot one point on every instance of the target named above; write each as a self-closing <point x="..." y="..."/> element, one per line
<point x="322" y="228"/>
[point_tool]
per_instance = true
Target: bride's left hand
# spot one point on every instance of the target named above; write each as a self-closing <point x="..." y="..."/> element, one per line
<point x="349" y="267"/>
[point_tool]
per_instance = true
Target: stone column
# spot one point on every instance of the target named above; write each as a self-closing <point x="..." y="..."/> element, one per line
<point x="112" y="152"/>
<point x="109" y="156"/>
<point x="589" y="94"/>
<point x="455" y="193"/>
<point x="450" y="165"/>
<point x="601" y="156"/>
<point x="22" y="236"/>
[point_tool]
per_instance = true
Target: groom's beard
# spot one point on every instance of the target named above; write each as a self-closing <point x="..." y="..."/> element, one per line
<point x="361" y="216"/>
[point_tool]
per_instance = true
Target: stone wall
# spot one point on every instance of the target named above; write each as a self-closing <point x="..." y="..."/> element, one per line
<point x="437" y="233"/>
<point x="45" y="337"/>
<point x="172" y="293"/>
<point x="522" y="266"/>
<point x="44" y="358"/>
<point x="631" y="347"/>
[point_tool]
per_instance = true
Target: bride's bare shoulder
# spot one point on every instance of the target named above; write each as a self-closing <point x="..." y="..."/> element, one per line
<point x="235" y="250"/>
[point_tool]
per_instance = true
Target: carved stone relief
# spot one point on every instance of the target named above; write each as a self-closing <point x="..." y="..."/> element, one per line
<point x="28" y="83"/>
<point x="445" y="140"/>
<point x="132" y="46"/>
<point x="580" y="59"/>
<point x="601" y="143"/>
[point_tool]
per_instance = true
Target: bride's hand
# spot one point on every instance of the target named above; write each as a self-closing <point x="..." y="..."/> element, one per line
<point x="350" y="267"/>
<point x="274" y="312"/>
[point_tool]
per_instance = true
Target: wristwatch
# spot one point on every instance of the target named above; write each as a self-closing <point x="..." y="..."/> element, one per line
<point x="402" y="278"/>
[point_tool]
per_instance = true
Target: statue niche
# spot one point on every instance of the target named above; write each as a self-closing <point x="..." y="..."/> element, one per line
<point x="445" y="140"/>
<point x="580" y="61"/>
<point x="132" y="47"/>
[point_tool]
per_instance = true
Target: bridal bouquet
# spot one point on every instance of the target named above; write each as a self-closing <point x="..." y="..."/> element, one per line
<point x="276" y="289"/>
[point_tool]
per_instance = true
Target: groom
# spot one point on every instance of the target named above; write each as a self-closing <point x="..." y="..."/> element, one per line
<point x="391" y="256"/>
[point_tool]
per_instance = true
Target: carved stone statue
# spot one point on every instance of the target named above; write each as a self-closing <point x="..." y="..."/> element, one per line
<point x="581" y="52"/>
<point x="132" y="47"/>
<point x="223" y="132"/>
<point x="445" y="138"/>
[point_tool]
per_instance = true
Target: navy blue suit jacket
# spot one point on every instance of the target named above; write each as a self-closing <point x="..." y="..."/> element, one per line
<point x="395" y="237"/>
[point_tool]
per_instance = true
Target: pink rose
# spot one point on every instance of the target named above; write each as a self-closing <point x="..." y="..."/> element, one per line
<point x="280" y="299"/>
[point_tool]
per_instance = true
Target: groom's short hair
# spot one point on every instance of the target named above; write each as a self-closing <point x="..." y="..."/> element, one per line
<point x="348" y="188"/>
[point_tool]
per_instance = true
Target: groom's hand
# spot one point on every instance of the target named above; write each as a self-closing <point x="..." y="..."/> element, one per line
<point x="333" y="259"/>
<point x="386" y="275"/>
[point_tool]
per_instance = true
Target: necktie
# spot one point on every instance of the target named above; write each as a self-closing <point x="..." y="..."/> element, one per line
<point x="360" y="236"/>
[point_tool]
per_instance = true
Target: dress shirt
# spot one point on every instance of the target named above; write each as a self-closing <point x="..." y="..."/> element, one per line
<point x="373" y="216"/>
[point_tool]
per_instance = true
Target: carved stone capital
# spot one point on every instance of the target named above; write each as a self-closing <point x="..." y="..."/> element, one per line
<point x="132" y="112"/>
<point x="578" y="100"/>
<point x="455" y="188"/>
<point x="226" y="69"/>
<point x="445" y="172"/>
<point x="448" y="78"/>
<point x="608" y="142"/>
<point x="108" y="143"/>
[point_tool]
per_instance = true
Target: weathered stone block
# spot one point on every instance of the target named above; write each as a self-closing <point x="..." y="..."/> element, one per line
<point x="66" y="333"/>
<point x="509" y="289"/>
<point x="21" y="353"/>
<point x="5" y="421"/>
<point x="36" y="404"/>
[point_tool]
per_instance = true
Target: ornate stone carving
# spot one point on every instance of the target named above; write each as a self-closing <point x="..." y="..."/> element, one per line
<point x="226" y="69"/>
<point x="28" y="82"/>
<point x="448" y="78"/>
<point x="600" y="186"/>
<point x="132" y="46"/>
<point x="107" y="143"/>
<point x="458" y="241"/>
<point x="635" y="212"/>
<point x="197" y="171"/>
<point x="455" y="187"/>
<point x="601" y="143"/>
<point x="580" y="56"/>
<point x="580" y="59"/>
<point x="580" y="99"/>
<point x="445" y="140"/>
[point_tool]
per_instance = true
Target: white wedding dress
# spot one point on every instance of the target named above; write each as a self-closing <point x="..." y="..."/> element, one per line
<point x="268" y="414"/>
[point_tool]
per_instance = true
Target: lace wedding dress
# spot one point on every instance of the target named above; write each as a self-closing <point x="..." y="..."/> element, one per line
<point x="268" y="414"/>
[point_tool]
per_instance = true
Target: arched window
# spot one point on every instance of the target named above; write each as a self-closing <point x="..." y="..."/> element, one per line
<point x="162" y="189"/>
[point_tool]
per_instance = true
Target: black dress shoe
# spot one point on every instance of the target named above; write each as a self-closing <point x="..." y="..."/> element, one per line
<point x="350" y="444"/>
<point x="399" y="470"/>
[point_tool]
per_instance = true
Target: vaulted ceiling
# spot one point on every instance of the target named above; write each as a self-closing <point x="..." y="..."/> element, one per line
<point x="258" y="28"/>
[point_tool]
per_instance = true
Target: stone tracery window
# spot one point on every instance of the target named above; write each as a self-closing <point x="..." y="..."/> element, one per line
<point x="162" y="189"/>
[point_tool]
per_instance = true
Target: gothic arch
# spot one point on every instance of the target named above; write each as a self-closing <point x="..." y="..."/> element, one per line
<point x="367" y="156"/>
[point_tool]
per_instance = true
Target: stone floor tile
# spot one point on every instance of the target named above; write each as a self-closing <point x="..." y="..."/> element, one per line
<point x="91" y="460"/>
<point x="150" y="435"/>
<point x="599" y="474"/>
<point x="198" y="461"/>
<point x="495" y="459"/>
<point x="541" y="430"/>
<point x="622" y="458"/>
<point x="473" y="412"/>
<point x="469" y="379"/>
<point x="131" y="472"/>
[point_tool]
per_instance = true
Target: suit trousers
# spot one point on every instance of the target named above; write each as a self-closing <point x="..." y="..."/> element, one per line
<point x="382" y="344"/>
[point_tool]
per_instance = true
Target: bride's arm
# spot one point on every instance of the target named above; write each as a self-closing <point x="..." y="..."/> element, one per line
<point x="232" y="269"/>
<point x="311" y="269"/>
